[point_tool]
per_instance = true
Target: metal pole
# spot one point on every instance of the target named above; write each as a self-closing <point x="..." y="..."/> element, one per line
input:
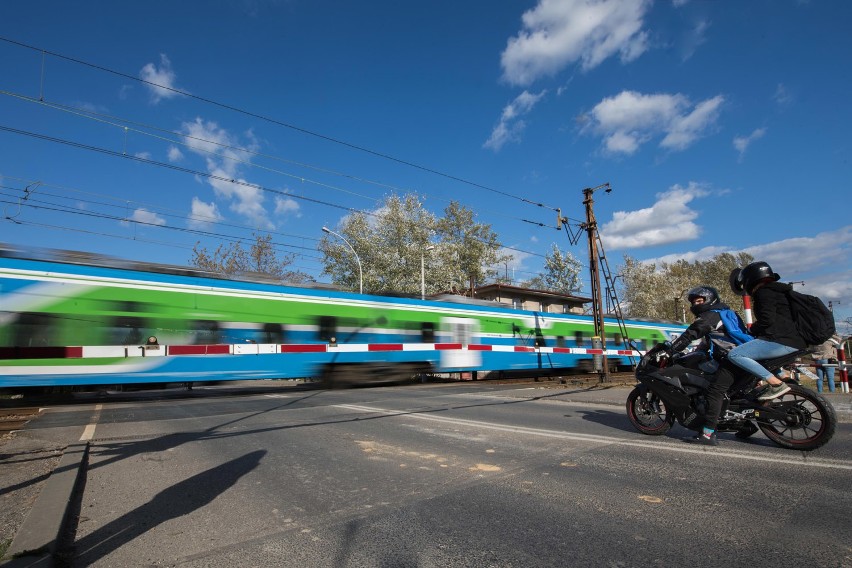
<point x="597" y="304"/>
<point x="357" y="260"/>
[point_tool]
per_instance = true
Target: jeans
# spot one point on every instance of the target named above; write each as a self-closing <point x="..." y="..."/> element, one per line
<point x="743" y="356"/>
<point x="827" y="371"/>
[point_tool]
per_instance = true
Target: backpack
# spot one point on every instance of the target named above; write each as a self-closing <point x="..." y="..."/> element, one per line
<point x="814" y="321"/>
<point x="735" y="329"/>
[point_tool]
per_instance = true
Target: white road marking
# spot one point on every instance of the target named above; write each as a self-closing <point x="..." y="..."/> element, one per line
<point x="665" y="446"/>
<point x="89" y="431"/>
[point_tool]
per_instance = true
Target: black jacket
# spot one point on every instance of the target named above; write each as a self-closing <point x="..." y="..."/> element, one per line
<point x="707" y="322"/>
<point x="773" y="320"/>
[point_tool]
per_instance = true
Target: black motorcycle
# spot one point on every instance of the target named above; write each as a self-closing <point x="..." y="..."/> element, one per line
<point x="673" y="389"/>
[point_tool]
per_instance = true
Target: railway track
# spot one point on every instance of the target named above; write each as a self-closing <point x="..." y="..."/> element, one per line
<point x="12" y="419"/>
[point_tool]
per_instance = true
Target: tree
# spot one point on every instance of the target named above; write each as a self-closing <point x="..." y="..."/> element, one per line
<point x="660" y="292"/>
<point x="388" y="243"/>
<point x="467" y="247"/>
<point x="393" y="241"/>
<point x="561" y="273"/>
<point x="260" y="258"/>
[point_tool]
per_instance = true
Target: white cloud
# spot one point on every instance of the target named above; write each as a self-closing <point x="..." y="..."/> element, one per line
<point x="668" y="220"/>
<point x="630" y="119"/>
<point x="741" y="143"/>
<point x="203" y="214"/>
<point x="694" y="39"/>
<point x="142" y="215"/>
<point x="143" y="155"/>
<point x="224" y="157"/>
<point x="826" y="274"/>
<point x="686" y="129"/>
<point x="782" y="96"/>
<point x="793" y="257"/>
<point x="510" y="126"/>
<point x="558" y="33"/>
<point x="175" y="155"/>
<point x="160" y="80"/>
<point x="286" y="206"/>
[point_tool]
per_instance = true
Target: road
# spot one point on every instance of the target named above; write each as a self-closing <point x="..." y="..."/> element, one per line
<point x="440" y="475"/>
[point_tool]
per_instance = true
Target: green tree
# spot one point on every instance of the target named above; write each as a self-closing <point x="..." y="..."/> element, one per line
<point x="561" y="273"/>
<point x="260" y="258"/>
<point x="469" y="249"/>
<point x="393" y="241"/>
<point x="389" y="244"/>
<point x="659" y="292"/>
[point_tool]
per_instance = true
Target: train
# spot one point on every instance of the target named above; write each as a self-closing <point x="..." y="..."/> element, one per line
<point x="78" y="320"/>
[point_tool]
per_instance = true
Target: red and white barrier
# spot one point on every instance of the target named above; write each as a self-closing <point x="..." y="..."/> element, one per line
<point x="749" y="319"/>
<point x="125" y="351"/>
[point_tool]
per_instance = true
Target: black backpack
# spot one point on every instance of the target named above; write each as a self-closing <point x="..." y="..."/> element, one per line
<point x="814" y="321"/>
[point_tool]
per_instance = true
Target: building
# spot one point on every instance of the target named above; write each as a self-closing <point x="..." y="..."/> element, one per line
<point x="534" y="300"/>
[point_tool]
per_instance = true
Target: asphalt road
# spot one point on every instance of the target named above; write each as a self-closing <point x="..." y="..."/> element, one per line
<point x="440" y="475"/>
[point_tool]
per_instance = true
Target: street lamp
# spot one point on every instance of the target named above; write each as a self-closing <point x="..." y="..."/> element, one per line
<point x="358" y="260"/>
<point x="423" y="271"/>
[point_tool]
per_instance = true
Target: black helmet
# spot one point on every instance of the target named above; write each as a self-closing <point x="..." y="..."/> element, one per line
<point x="743" y="281"/>
<point x="710" y="295"/>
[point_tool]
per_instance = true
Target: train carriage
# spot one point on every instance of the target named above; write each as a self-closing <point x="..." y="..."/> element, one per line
<point x="87" y="321"/>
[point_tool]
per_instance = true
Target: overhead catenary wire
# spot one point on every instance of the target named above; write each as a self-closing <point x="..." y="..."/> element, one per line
<point x="123" y="203"/>
<point x="120" y="122"/>
<point x="273" y="121"/>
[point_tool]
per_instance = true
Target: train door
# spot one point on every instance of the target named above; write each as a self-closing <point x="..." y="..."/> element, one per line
<point x="463" y="331"/>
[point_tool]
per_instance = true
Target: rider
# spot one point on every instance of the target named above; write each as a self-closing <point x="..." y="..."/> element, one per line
<point x="774" y="328"/>
<point x="709" y="327"/>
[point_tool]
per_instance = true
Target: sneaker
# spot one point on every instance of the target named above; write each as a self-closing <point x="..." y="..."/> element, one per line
<point x="704" y="440"/>
<point x="774" y="391"/>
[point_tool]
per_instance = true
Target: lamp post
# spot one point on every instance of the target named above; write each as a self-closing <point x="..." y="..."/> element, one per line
<point x="423" y="271"/>
<point x="358" y="260"/>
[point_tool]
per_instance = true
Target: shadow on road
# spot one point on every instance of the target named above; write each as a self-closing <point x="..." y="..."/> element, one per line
<point x="178" y="500"/>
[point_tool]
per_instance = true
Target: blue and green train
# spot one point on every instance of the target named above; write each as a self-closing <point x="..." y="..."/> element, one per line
<point x="71" y="319"/>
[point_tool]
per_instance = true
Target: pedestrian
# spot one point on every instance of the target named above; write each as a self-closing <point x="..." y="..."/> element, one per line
<point x="774" y="329"/>
<point x="826" y="354"/>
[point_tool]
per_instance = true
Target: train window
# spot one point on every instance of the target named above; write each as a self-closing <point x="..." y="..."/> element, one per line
<point x="579" y="338"/>
<point x="272" y="333"/>
<point x="327" y="328"/>
<point x="427" y="332"/>
<point x="560" y="341"/>
<point x="125" y="330"/>
<point x="31" y="329"/>
<point x="207" y="332"/>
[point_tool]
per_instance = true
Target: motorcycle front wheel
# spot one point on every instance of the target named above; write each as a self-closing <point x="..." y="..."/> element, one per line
<point x="809" y="423"/>
<point x="648" y="413"/>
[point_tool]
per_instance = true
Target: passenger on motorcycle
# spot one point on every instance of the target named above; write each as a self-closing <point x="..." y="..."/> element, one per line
<point x="710" y="328"/>
<point x="774" y="328"/>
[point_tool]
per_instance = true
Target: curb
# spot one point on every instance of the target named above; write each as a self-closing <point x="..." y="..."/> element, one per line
<point x="35" y="543"/>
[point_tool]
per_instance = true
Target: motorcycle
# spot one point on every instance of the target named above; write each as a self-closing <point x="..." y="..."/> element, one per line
<point x="672" y="388"/>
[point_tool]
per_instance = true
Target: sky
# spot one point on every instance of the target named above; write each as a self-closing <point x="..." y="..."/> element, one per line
<point x="138" y="129"/>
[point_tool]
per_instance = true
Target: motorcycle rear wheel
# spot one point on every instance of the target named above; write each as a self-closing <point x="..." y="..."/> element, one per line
<point x="648" y="413"/>
<point x="809" y="424"/>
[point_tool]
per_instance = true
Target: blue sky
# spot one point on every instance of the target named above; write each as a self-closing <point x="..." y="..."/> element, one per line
<point x="721" y="126"/>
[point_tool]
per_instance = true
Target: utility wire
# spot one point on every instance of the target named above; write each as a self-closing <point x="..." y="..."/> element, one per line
<point x="124" y="203"/>
<point x="273" y="121"/>
<point x="119" y="122"/>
